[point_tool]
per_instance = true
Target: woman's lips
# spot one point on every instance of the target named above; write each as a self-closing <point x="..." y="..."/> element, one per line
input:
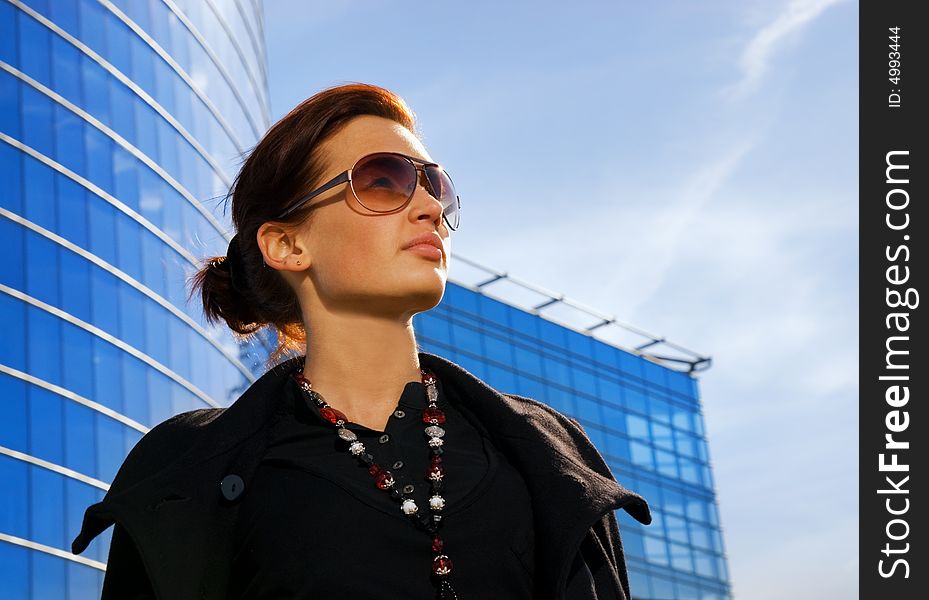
<point x="427" y="250"/>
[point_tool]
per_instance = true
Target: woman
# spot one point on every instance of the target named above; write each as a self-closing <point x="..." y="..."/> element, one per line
<point x="361" y="467"/>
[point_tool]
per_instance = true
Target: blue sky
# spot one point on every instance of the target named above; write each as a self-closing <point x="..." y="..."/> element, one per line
<point x="689" y="167"/>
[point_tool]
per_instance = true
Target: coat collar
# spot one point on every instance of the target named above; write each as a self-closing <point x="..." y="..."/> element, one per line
<point x="570" y="484"/>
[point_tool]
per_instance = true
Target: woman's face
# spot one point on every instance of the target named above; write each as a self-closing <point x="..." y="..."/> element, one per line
<point x="353" y="259"/>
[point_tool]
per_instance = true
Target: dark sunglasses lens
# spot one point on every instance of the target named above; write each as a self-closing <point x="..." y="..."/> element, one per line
<point x="444" y="191"/>
<point x="383" y="182"/>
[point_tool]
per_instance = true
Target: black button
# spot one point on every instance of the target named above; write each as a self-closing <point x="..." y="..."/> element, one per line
<point x="408" y="488"/>
<point x="399" y="413"/>
<point x="232" y="487"/>
<point x="398" y="464"/>
<point x="384" y="438"/>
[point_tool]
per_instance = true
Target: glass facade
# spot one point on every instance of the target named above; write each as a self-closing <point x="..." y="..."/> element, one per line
<point x="120" y="121"/>
<point x="643" y="416"/>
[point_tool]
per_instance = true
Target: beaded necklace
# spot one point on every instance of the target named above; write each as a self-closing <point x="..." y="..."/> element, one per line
<point x="432" y="417"/>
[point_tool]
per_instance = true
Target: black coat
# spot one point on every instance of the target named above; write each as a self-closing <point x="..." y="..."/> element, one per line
<point x="174" y="506"/>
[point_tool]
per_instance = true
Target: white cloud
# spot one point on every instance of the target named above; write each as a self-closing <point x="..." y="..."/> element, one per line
<point x="758" y="53"/>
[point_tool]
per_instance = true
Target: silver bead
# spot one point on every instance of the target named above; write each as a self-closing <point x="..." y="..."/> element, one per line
<point x="435" y="431"/>
<point x="435" y="442"/>
<point x="356" y="448"/>
<point x="347" y="434"/>
<point x="432" y="393"/>
<point x="409" y="507"/>
<point x="436" y="502"/>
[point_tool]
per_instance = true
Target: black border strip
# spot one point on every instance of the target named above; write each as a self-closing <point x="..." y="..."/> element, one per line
<point x="893" y="265"/>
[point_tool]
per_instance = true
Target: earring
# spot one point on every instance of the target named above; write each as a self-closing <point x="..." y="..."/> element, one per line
<point x="298" y="262"/>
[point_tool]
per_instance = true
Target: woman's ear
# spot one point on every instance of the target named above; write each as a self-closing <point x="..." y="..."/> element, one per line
<point x="282" y="248"/>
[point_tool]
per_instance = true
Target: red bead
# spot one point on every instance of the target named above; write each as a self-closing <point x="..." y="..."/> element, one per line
<point x="442" y="565"/>
<point x="332" y="415"/>
<point x="384" y="479"/>
<point x="428" y="378"/>
<point x="435" y="470"/>
<point x="374" y="469"/>
<point x="437" y="544"/>
<point x="433" y="413"/>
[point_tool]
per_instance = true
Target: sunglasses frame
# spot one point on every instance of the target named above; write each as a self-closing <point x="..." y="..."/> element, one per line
<point x="346" y="177"/>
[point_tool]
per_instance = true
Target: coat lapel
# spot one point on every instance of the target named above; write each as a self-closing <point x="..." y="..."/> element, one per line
<point x="183" y="525"/>
<point x="570" y="484"/>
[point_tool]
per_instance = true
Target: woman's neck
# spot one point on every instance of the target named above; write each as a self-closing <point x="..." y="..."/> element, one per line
<point x="361" y="368"/>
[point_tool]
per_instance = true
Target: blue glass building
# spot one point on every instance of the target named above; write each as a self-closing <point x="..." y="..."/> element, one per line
<point x="640" y="407"/>
<point x="119" y="121"/>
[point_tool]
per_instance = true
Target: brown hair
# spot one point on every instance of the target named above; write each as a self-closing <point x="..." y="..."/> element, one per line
<point x="284" y="165"/>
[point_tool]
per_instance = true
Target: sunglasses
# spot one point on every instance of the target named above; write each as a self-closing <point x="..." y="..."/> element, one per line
<point x="384" y="182"/>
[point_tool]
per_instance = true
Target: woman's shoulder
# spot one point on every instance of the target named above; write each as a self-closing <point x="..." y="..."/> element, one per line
<point x="163" y="441"/>
<point x="175" y="430"/>
<point x="155" y="450"/>
<point x="541" y="407"/>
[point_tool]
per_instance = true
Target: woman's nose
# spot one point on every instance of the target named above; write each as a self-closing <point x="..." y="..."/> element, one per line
<point x="424" y="181"/>
<point x="434" y="205"/>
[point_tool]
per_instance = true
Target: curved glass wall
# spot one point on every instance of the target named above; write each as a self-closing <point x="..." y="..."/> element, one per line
<point x="122" y="123"/>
